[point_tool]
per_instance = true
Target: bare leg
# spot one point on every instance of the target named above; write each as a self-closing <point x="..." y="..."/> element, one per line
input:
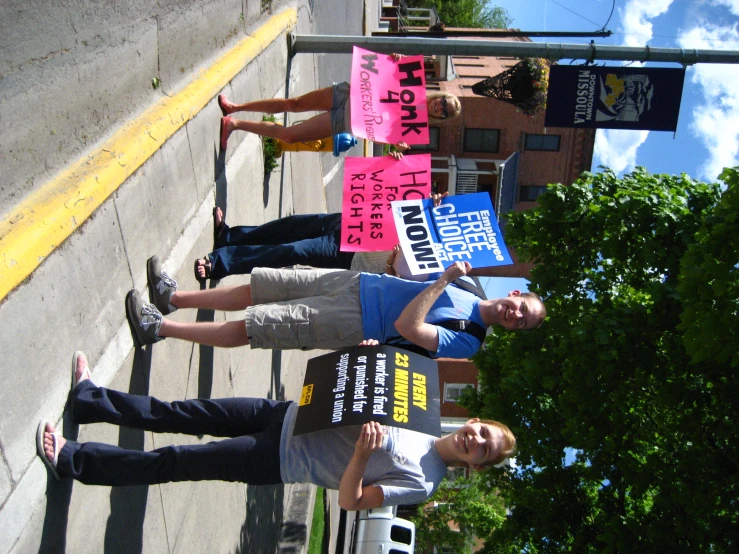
<point x="319" y="100"/>
<point x="219" y="334"/>
<point x="228" y="299"/>
<point x="316" y="128"/>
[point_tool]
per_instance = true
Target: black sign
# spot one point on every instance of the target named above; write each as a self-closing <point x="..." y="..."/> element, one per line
<point x="370" y="383"/>
<point x="614" y="97"/>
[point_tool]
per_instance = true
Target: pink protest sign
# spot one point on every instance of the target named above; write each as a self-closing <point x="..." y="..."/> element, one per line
<point x="388" y="98"/>
<point x="370" y="184"/>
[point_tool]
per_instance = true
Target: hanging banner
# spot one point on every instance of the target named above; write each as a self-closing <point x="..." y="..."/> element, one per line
<point x="370" y="185"/>
<point x="388" y="98"/>
<point x="381" y="383"/>
<point x="614" y="97"/>
<point x="462" y="228"/>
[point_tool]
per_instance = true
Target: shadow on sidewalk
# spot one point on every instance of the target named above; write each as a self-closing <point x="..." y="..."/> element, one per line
<point x="58" y="497"/>
<point x="125" y="525"/>
<point x="206" y="354"/>
<point x="261" y="531"/>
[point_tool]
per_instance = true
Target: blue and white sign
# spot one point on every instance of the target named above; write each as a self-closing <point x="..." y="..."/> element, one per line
<point x="461" y="229"/>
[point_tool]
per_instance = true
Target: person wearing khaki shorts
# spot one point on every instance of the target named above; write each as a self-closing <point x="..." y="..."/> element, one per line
<point x="326" y="309"/>
<point x="304" y="309"/>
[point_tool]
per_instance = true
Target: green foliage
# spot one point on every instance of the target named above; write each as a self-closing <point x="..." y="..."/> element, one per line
<point x="471" y="503"/>
<point x="709" y="284"/>
<point x="474" y="14"/>
<point x="155" y="82"/>
<point x="635" y="369"/>
<point x="271" y="149"/>
<point x="318" y="527"/>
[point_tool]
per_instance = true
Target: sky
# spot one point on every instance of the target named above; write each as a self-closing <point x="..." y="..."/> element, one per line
<point x="707" y="138"/>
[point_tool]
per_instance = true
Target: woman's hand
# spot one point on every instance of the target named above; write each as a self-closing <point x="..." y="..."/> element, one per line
<point x="396" y="155"/>
<point x="402" y="147"/>
<point x="389" y="263"/>
<point x="396" y="57"/>
<point x="437" y="198"/>
<point x="370" y="439"/>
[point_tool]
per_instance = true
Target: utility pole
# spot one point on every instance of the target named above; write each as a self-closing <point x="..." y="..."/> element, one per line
<point x="326" y="44"/>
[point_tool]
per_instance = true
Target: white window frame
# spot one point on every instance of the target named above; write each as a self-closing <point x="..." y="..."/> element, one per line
<point x="458" y="387"/>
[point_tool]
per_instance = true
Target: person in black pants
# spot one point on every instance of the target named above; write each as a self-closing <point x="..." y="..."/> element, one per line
<point x="310" y="239"/>
<point x="261" y="448"/>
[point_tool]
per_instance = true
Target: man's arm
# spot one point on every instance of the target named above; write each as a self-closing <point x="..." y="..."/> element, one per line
<point x="352" y="495"/>
<point x="412" y="324"/>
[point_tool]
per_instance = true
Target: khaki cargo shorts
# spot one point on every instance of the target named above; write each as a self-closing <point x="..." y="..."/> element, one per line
<point x="304" y="309"/>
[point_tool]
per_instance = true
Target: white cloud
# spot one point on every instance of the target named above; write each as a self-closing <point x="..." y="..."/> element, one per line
<point x="733" y="5"/>
<point x="715" y="120"/>
<point x="635" y="19"/>
<point x="617" y="148"/>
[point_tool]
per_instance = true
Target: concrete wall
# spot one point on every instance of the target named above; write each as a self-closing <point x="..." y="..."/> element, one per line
<point x="72" y="72"/>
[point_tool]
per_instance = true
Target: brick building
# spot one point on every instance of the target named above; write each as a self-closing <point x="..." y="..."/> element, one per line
<point x="492" y="147"/>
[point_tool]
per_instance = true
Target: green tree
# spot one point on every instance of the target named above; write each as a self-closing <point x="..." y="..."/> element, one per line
<point x="471" y="503"/>
<point x="635" y="369"/>
<point x="474" y="14"/>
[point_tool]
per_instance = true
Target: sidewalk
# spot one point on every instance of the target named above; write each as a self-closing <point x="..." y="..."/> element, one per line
<point x="74" y="300"/>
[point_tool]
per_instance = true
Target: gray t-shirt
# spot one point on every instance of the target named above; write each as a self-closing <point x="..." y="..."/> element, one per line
<point x="408" y="470"/>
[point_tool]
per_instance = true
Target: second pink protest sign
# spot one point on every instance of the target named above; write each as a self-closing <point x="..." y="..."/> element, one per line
<point x="370" y="184"/>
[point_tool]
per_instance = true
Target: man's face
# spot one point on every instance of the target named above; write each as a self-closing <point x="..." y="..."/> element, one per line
<point x="478" y="444"/>
<point x="516" y="312"/>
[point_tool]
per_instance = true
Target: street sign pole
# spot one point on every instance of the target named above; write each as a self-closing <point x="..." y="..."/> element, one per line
<point x="327" y="44"/>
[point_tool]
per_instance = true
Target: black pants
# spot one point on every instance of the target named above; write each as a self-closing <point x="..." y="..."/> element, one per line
<point x="251" y="454"/>
<point x="312" y="239"/>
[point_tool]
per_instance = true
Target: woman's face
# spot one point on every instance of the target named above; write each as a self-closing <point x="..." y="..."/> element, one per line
<point x="439" y="107"/>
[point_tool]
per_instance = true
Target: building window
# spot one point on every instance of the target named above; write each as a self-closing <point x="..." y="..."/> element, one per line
<point x="452" y="391"/>
<point x="433" y="144"/>
<point x="455" y="472"/>
<point x="530" y="194"/>
<point x="548" y="143"/>
<point x="481" y="140"/>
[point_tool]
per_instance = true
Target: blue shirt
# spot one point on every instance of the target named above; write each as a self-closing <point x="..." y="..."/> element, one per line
<point x="384" y="297"/>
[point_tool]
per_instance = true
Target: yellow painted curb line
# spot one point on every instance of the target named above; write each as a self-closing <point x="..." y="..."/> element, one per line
<point x="46" y="218"/>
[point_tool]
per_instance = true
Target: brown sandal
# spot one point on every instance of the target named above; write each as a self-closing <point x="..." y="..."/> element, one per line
<point x="206" y="265"/>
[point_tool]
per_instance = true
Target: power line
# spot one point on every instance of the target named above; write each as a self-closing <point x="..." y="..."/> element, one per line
<point x="577" y="14"/>
<point x="613" y="7"/>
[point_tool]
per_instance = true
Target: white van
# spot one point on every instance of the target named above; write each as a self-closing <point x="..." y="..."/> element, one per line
<point x="378" y="531"/>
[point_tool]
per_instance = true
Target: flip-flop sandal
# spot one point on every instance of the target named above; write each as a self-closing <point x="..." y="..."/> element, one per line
<point x="221" y="99"/>
<point x="207" y="267"/>
<point x="86" y="373"/>
<point x="224" y="132"/>
<point x="51" y="464"/>
<point x="218" y="229"/>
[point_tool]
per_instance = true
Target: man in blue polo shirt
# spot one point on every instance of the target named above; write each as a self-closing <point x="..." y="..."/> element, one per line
<point x="307" y="309"/>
